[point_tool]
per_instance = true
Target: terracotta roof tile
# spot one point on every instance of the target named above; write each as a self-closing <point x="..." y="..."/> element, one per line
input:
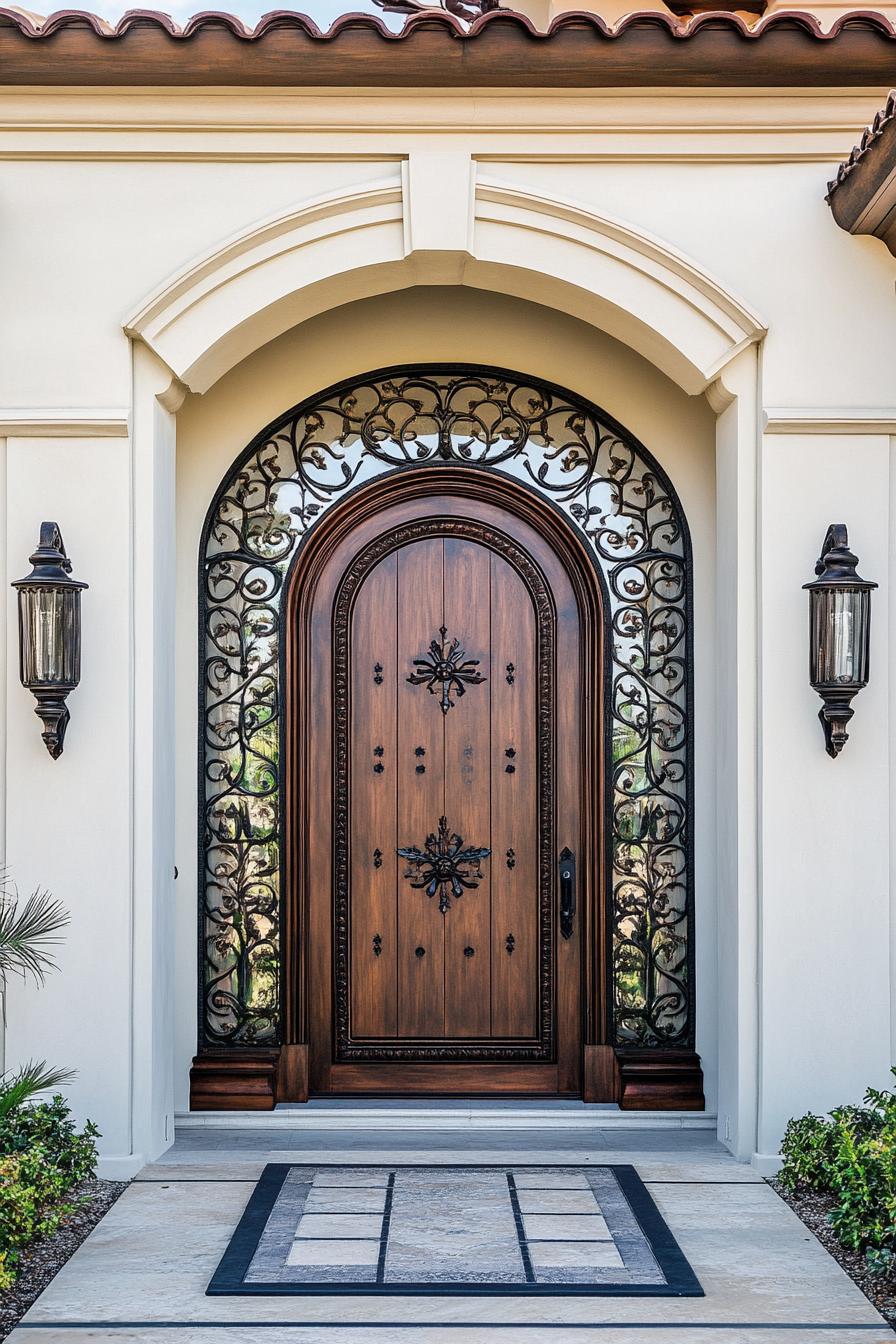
<point x="433" y="48"/>
<point x="33" y="26"/>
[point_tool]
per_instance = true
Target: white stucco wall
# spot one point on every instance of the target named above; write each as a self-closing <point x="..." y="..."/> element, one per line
<point x="106" y="196"/>
<point x="68" y="822"/>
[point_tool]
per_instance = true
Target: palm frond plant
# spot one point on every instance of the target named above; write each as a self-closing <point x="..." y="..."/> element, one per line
<point x="28" y="932"/>
<point x="20" y="1085"/>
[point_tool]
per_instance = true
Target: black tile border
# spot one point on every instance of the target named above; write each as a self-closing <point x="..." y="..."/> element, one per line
<point x="384" y="1226"/>
<point x="228" y="1279"/>
<point x="521" y="1237"/>
<point x="234" y="1263"/>
<point x="666" y="1250"/>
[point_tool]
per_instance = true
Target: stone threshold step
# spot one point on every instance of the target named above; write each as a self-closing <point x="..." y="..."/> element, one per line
<point x="445" y="1115"/>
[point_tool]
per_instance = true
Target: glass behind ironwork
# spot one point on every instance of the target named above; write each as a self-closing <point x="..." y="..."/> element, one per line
<point x="615" y="494"/>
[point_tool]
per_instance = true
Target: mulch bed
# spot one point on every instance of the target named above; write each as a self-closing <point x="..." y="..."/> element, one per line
<point x="43" y="1260"/>
<point x="813" y="1209"/>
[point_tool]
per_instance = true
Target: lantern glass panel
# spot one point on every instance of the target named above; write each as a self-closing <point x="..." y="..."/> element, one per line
<point x="840" y="619"/>
<point x="50" y="645"/>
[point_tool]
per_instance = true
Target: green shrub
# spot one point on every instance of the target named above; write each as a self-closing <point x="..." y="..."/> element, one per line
<point x="42" y="1158"/>
<point x="49" y="1125"/>
<point x="852" y="1155"/>
<point x="808" y="1150"/>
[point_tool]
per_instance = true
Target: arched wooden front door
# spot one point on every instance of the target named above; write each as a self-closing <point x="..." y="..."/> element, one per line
<point x="442" y="834"/>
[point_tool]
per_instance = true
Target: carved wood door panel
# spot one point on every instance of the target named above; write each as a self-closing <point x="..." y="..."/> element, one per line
<point x="450" y="717"/>
<point x="443" y="911"/>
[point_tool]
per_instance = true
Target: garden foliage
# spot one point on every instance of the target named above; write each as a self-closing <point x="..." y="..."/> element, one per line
<point x="43" y="1158"/>
<point x="42" y="1155"/>
<point x="851" y="1154"/>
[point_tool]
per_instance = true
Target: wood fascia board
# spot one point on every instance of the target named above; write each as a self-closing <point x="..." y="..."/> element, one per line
<point x="862" y="196"/>
<point x="500" y="49"/>
<point x="877" y="215"/>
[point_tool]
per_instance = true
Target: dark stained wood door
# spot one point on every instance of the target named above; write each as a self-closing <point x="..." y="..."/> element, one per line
<point x="444" y="875"/>
<point x="448" y="749"/>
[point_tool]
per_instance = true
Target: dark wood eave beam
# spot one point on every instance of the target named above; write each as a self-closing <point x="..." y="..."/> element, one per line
<point x="434" y="50"/>
<point x="862" y="196"/>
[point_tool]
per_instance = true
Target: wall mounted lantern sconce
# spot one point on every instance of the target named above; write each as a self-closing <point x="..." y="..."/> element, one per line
<point x="839" y="634"/>
<point x="50" y="634"/>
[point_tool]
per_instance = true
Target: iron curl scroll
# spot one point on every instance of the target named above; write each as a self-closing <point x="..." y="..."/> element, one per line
<point x="613" y="493"/>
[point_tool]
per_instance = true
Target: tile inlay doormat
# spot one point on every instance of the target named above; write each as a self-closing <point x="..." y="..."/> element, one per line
<point x="450" y="1229"/>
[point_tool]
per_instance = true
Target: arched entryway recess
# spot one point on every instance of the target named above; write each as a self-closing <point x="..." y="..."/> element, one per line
<point x="536" y="477"/>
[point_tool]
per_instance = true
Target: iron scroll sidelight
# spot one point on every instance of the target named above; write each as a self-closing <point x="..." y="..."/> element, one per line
<point x="615" y="496"/>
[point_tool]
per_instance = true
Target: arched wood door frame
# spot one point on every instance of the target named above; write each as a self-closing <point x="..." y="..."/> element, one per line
<point x="367" y="502"/>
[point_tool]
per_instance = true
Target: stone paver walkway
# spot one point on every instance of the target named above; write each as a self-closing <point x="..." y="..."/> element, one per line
<point x="141" y="1276"/>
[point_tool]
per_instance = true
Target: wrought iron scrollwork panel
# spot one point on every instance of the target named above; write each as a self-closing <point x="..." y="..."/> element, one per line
<point x="616" y="496"/>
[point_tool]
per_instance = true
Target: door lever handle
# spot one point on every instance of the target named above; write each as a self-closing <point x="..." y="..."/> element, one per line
<point x="567" y="892"/>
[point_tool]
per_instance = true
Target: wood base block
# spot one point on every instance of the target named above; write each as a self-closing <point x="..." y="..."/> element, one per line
<point x="292" y="1076"/>
<point x="600" y="1081"/>
<point x="660" y="1080"/>
<point x="640" y="1080"/>
<point x="235" y="1080"/>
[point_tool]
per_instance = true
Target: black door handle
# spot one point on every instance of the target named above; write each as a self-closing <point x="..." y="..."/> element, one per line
<point x="567" y="892"/>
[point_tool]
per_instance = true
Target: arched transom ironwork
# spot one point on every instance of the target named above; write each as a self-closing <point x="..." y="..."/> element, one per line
<point x="615" y="494"/>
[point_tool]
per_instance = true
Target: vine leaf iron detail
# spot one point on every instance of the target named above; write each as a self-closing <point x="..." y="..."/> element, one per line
<point x="445" y="665"/>
<point x="444" y="865"/>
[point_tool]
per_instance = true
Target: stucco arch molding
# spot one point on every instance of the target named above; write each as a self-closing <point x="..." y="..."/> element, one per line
<point x="397" y="232"/>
